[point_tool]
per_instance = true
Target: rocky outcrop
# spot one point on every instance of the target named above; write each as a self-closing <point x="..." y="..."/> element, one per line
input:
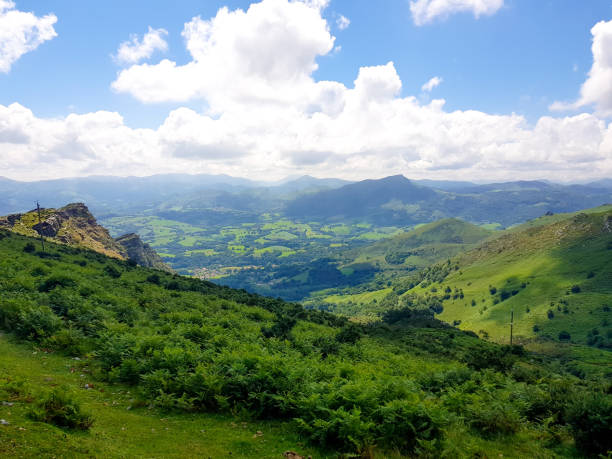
<point x="140" y="252"/>
<point x="74" y="224"/>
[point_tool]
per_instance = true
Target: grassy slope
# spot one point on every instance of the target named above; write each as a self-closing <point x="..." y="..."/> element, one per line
<point x="547" y="258"/>
<point x="424" y="245"/>
<point x="120" y="431"/>
<point x="355" y="378"/>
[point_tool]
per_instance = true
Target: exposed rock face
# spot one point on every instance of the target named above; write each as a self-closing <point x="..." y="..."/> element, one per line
<point x="72" y="225"/>
<point x="607" y="227"/>
<point x="75" y="225"/>
<point x="140" y="252"/>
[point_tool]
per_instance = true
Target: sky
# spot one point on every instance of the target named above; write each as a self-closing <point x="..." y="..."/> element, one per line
<point x="483" y="90"/>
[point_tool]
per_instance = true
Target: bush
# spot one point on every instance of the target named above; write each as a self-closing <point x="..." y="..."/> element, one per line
<point x="36" y="322"/>
<point x="403" y="424"/>
<point x="154" y="279"/>
<point x="496" y="417"/>
<point x="550" y="314"/>
<point x="564" y="336"/>
<point x="575" y="288"/>
<point x="112" y="272"/>
<point x="58" y="280"/>
<point x="29" y="248"/>
<point x="60" y="408"/>
<point x="590" y="418"/>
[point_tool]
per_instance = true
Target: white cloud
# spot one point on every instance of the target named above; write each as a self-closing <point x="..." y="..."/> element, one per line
<point x="426" y="11"/>
<point x="343" y="22"/>
<point x="596" y="91"/>
<point x="21" y="33"/>
<point x="265" y="54"/>
<point x="135" y="49"/>
<point x="270" y="118"/>
<point x="432" y="83"/>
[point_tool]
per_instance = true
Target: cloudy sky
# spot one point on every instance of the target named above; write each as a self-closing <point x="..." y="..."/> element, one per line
<point x="455" y="89"/>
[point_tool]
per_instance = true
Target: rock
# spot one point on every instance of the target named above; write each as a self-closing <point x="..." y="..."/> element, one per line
<point x="141" y="253"/>
<point x="4" y="422"/>
<point x="294" y="455"/>
<point x="7" y="404"/>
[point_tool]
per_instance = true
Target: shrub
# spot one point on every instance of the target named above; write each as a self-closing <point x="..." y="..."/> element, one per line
<point x="68" y="340"/>
<point x="36" y="322"/>
<point x="495" y="417"/>
<point x="536" y="328"/>
<point x="590" y="418"/>
<point x="492" y="290"/>
<point x="403" y="424"/>
<point x="564" y="336"/>
<point x="58" y="280"/>
<point x="575" y="289"/>
<point x="29" y="248"/>
<point x="154" y="279"/>
<point x="349" y="334"/>
<point x="60" y="408"/>
<point x="550" y="314"/>
<point x="112" y="272"/>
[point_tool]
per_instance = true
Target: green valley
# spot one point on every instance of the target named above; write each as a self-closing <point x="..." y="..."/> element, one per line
<point x="158" y="345"/>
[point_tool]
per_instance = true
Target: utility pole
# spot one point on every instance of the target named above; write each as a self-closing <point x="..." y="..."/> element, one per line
<point x="42" y="239"/>
<point x="511" y="324"/>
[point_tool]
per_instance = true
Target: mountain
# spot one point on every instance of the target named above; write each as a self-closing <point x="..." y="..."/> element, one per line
<point x="446" y="185"/>
<point x="398" y="201"/>
<point x="554" y="273"/>
<point x="425" y="245"/>
<point x="603" y="183"/>
<point x="308" y="183"/>
<point x="74" y="225"/>
<point x="373" y="199"/>
<point x="141" y="253"/>
<point x="99" y="357"/>
<point x="111" y="194"/>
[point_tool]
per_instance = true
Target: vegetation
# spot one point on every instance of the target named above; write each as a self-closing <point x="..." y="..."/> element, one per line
<point x="409" y="385"/>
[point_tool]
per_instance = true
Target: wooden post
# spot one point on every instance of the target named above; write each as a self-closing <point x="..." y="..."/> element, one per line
<point x="511" y="324"/>
<point x="42" y="239"/>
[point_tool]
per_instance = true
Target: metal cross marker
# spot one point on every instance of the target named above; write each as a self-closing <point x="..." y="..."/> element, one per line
<point x="42" y="239"/>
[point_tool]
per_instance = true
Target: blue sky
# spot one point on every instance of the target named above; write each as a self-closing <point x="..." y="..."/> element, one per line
<point x="518" y="59"/>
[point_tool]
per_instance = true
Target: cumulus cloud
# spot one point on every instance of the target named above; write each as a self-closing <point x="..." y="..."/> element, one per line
<point x="596" y="91"/>
<point x="426" y="11"/>
<point x="343" y="22"/>
<point x="21" y="32"/>
<point x="263" y="55"/>
<point x="270" y="118"/>
<point x="137" y="49"/>
<point x="432" y="83"/>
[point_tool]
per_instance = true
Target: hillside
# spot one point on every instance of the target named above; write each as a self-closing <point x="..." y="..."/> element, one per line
<point x="151" y="345"/>
<point x="398" y="201"/>
<point x="427" y="244"/>
<point x="556" y="276"/>
<point x="74" y="225"/>
<point x="554" y="272"/>
<point x="374" y="199"/>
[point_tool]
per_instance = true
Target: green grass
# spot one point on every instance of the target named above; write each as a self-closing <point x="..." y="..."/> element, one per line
<point x="539" y="264"/>
<point x="120" y="428"/>
<point x="210" y="356"/>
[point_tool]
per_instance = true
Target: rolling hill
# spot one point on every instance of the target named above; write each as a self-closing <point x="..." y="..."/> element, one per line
<point x="554" y="272"/>
<point x="99" y="351"/>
